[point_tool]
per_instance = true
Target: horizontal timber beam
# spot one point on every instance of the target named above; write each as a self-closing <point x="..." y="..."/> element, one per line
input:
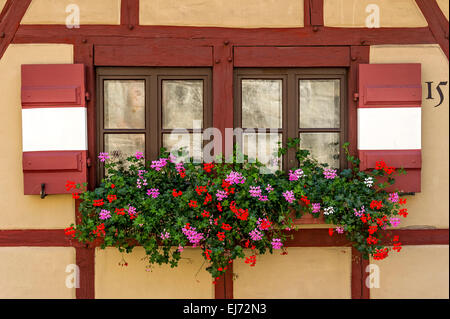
<point x="120" y="34"/>
<point x="317" y="237"/>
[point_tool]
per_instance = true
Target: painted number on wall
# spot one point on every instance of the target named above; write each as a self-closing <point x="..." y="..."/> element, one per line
<point x="430" y="95"/>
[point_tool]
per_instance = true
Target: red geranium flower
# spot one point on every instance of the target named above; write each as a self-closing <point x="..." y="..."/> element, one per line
<point x="372" y="240"/>
<point x="380" y="254"/>
<point x="70" y="231"/>
<point x="193" y="203"/>
<point x="403" y="212"/>
<point x="208" y="167"/>
<point x="98" y="202"/>
<point x="120" y="211"/>
<point x="226" y="226"/>
<point x="75" y="196"/>
<point x="221" y="236"/>
<point x="376" y="204"/>
<point x="373" y="229"/>
<point x="205" y="213"/>
<point x="176" y="194"/>
<point x="251" y="260"/>
<point x="111" y="198"/>
<point x="208" y="199"/>
<point x="380" y="165"/>
<point x="70" y="185"/>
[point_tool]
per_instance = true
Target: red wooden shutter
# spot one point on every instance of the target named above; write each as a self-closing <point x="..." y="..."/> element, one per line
<point x="54" y="133"/>
<point x="389" y="120"/>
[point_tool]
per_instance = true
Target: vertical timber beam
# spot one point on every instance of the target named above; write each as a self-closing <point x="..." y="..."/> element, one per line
<point x="222" y="119"/>
<point x="85" y="256"/>
<point x="313" y="14"/>
<point x="358" y="55"/>
<point x="129" y="13"/>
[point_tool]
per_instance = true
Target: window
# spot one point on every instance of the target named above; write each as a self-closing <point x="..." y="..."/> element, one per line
<point x="144" y="109"/>
<point x="273" y="105"/>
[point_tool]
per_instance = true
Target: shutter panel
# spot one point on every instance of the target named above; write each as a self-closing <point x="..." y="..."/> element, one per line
<point x="389" y="120"/>
<point x="54" y="131"/>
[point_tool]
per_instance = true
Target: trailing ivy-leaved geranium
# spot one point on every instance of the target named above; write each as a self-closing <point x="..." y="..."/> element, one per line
<point x="231" y="210"/>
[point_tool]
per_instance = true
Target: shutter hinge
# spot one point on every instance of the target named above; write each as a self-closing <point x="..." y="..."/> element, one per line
<point x="87" y="96"/>
<point x="355" y="97"/>
<point x="88" y="162"/>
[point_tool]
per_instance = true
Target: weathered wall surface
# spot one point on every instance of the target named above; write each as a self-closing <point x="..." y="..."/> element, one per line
<point x="431" y="206"/>
<point x="91" y="12"/>
<point x="2" y="4"/>
<point x="443" y="4"/>
<point x="217" y="13"/>
<point x="20" y="211"/>
<point x="302" y="273"/>
<point x="416" y="272"/>
<point x="35" y="272"/>
<point x="189" y="280"/>
<point x="352" y="13"/>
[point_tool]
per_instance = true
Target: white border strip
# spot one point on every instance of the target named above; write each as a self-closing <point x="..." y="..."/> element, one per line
<point x="389" y="128"/>
<point x="54" y="129"/>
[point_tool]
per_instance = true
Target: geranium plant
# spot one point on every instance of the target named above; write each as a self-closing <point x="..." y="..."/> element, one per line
<point x="230" y="210"/>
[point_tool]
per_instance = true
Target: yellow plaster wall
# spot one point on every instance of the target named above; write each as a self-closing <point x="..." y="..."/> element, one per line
<point x="416" y="272"/>
<point x="443" y="4"/>
<point x="91" y="12"/>
<point x="219" y="13"/>
<point x="302" y="273"/>
<point x="2" y="4"/>
<point x="431" y="206"/>
<point x="133" y="281"/>
<point x="393" y="13"/>
<point x="35" y="272"/>
<point x="17" y="210"/>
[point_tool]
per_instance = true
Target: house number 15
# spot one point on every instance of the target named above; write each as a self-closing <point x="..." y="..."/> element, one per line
<point x="438" y="89"/>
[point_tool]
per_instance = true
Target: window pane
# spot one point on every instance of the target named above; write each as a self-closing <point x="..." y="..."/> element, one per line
<point x="124" y="104"/>
<point x="264" y="147"/>
<point x="124" y="145"/>
<point x="192" y="144"/>
<point x="262" y="103"/>
<point x="182" y="104"/>
<point x="319" y="103"/>
<point x="324" y="147"/>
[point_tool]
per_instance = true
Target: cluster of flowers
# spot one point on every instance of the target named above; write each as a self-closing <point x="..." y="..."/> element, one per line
<point x="217" y="196"/>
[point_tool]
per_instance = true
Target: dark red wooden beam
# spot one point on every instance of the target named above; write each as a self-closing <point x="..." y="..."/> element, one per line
<point x="223" y="89"/>
<point x="10" y="18"/>
<point x="224" y="286"/>
<point x="437" y="22"/>
<point x="153" y="55"/>
<point x="35" y="238"/>
<point x="358" y="55"/>
<point x="291" y="56"/>
<point x="129" y="13"/>
<point x="359" y="289"/>
<point x="313" y="13"/>
<point x="415" y="237"/>
<point x="85" y="260"/>
<point x="315" y="238"/>
<point x="107" y="34"/>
